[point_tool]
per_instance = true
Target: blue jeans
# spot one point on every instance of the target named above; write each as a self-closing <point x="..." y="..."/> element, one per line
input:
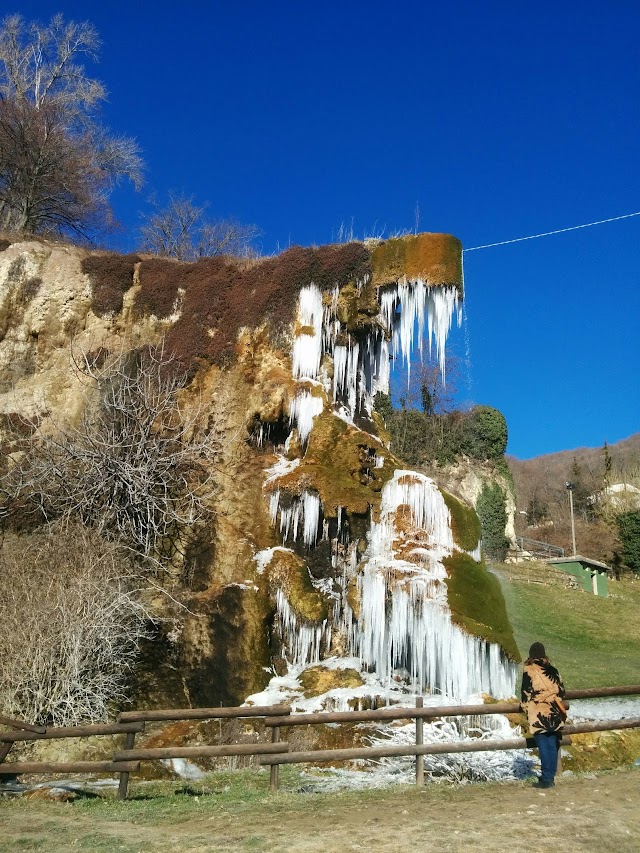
<point x="548" y="744"/>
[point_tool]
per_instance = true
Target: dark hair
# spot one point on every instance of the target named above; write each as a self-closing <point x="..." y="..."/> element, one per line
<point x="537" y="651"/>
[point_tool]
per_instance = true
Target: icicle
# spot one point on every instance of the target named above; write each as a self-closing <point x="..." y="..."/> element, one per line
<point x="404" y="621"/>
<point x="301" y="640"/>
<point x="418" y="301"/>
<point x="307" y="347"/>
<point x="305" y="508"/>
<point x="302" y="410"/>
<point x="311" y="509"/>
<point x="339" y="369"/>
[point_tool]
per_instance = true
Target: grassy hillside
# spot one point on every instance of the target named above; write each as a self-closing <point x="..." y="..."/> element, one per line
<point x="593" y="641"/>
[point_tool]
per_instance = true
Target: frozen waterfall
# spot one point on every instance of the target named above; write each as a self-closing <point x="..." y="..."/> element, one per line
<point x="403" y="627"/>
<point x="404" y="621"/>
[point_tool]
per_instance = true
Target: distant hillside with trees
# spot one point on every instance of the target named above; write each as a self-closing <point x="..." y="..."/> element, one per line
<point x="606" y="527"/>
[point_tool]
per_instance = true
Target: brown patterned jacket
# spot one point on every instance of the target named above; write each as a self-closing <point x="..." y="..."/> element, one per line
<point x="541" y="695"/>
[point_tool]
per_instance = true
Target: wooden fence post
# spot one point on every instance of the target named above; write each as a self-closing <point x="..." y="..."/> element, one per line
<point x="273" y="780"/>
<point x="124" y="776"/>
<point x="559" y="764"/>
<point x="419" y="742"/>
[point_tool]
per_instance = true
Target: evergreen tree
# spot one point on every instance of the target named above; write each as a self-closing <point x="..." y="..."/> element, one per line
<point x="382" y="404"/>
<point x="582" y="505"/>
<point x="629" y="530"/>
<point x="491" y="507"/>
<point x="607" y="463"/>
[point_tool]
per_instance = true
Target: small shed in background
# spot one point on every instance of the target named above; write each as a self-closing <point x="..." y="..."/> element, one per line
<point x="590" y="574"/>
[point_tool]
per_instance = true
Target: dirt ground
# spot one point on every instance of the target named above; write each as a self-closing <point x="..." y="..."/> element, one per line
<point x="583" y="813"/>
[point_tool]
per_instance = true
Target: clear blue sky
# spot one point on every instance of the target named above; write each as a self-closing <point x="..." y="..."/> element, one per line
<point x="498" y="120"/>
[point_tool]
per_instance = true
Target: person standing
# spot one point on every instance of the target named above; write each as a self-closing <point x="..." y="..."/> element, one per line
<point x="541" y="697"/>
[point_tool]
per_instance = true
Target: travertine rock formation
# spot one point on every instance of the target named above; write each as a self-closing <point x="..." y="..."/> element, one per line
<point x="322" y="547"/>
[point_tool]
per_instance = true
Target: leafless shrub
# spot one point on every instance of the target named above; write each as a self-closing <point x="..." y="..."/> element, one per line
<point x="71" y="624"/>
<point x="136" y="468"/>
<point x="180" y="230"/>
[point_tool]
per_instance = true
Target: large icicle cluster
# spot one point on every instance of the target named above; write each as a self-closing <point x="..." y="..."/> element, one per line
<point x="301" y="640"/>
<point x="404" y="621"/>
<point x="407" y="305"/>
<point x="408" y="309"/>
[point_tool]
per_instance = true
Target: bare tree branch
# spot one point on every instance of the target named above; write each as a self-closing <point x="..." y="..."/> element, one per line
<point x="72" y="622"/>
<point x="180" y="230"/>
<point x="137" y="468"/>
<point x="57" y="163"/>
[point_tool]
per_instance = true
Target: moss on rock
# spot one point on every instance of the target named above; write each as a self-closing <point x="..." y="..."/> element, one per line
<point x="358" y="307"/>
<point x="435" y="258"/>
<point x="602" y="750"/>
<point x="465" y="524"/>
<point x="316" y="680"/>
<point x="477" y="604"/>
<point x="340" y="465"/>
<point x="289" y="572"/>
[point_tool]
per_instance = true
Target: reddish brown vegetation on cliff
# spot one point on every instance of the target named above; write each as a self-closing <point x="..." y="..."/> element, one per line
<point x="219" y="296"/>
<point x="111" y="276"/>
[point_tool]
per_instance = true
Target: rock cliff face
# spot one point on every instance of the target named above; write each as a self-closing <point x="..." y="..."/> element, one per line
<point x="465" y="480"/>
<point x="324" y="554"/>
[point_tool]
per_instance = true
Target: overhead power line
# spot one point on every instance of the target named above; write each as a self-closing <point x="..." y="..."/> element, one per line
<point x="550" y="233"/>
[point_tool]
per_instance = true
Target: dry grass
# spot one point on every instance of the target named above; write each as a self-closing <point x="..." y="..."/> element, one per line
<point x="234" y="812"/>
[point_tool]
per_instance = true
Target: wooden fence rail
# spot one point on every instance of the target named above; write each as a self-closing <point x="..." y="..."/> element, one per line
<point x="18" y="724"/>
<point x="366" y="752"/>
<point x="73" y="731"/>
<point x="15" y="768"/>
<point x="277" y="752"/>
<point x="203" y="713"/>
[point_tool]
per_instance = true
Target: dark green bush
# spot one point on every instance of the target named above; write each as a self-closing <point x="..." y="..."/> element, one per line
<point x="485" y="434"/>
<point x="419" y="437"/>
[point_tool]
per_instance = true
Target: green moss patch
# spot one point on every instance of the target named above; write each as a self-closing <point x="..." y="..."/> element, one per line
<point x="435" y="258"/>
<point x="602" y="750"/>
<point x="465" y="524"/>
<point x="289" y="572"/>
<point x="317" y="680"/>
<point x="340" y="465"/>
<point x="477" y="604"/>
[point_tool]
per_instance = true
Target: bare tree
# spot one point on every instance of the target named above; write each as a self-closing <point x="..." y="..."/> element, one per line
<point x="137" y="468"/>
<point x="57" y="163"/>
<point x="71" y="625"/>
<point x="180" y="230"/>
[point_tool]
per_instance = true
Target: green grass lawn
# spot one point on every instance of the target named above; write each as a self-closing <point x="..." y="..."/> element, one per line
<point x="594" y="642"/>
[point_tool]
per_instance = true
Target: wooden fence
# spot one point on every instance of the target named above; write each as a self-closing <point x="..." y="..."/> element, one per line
<point x="276" y="751"/>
